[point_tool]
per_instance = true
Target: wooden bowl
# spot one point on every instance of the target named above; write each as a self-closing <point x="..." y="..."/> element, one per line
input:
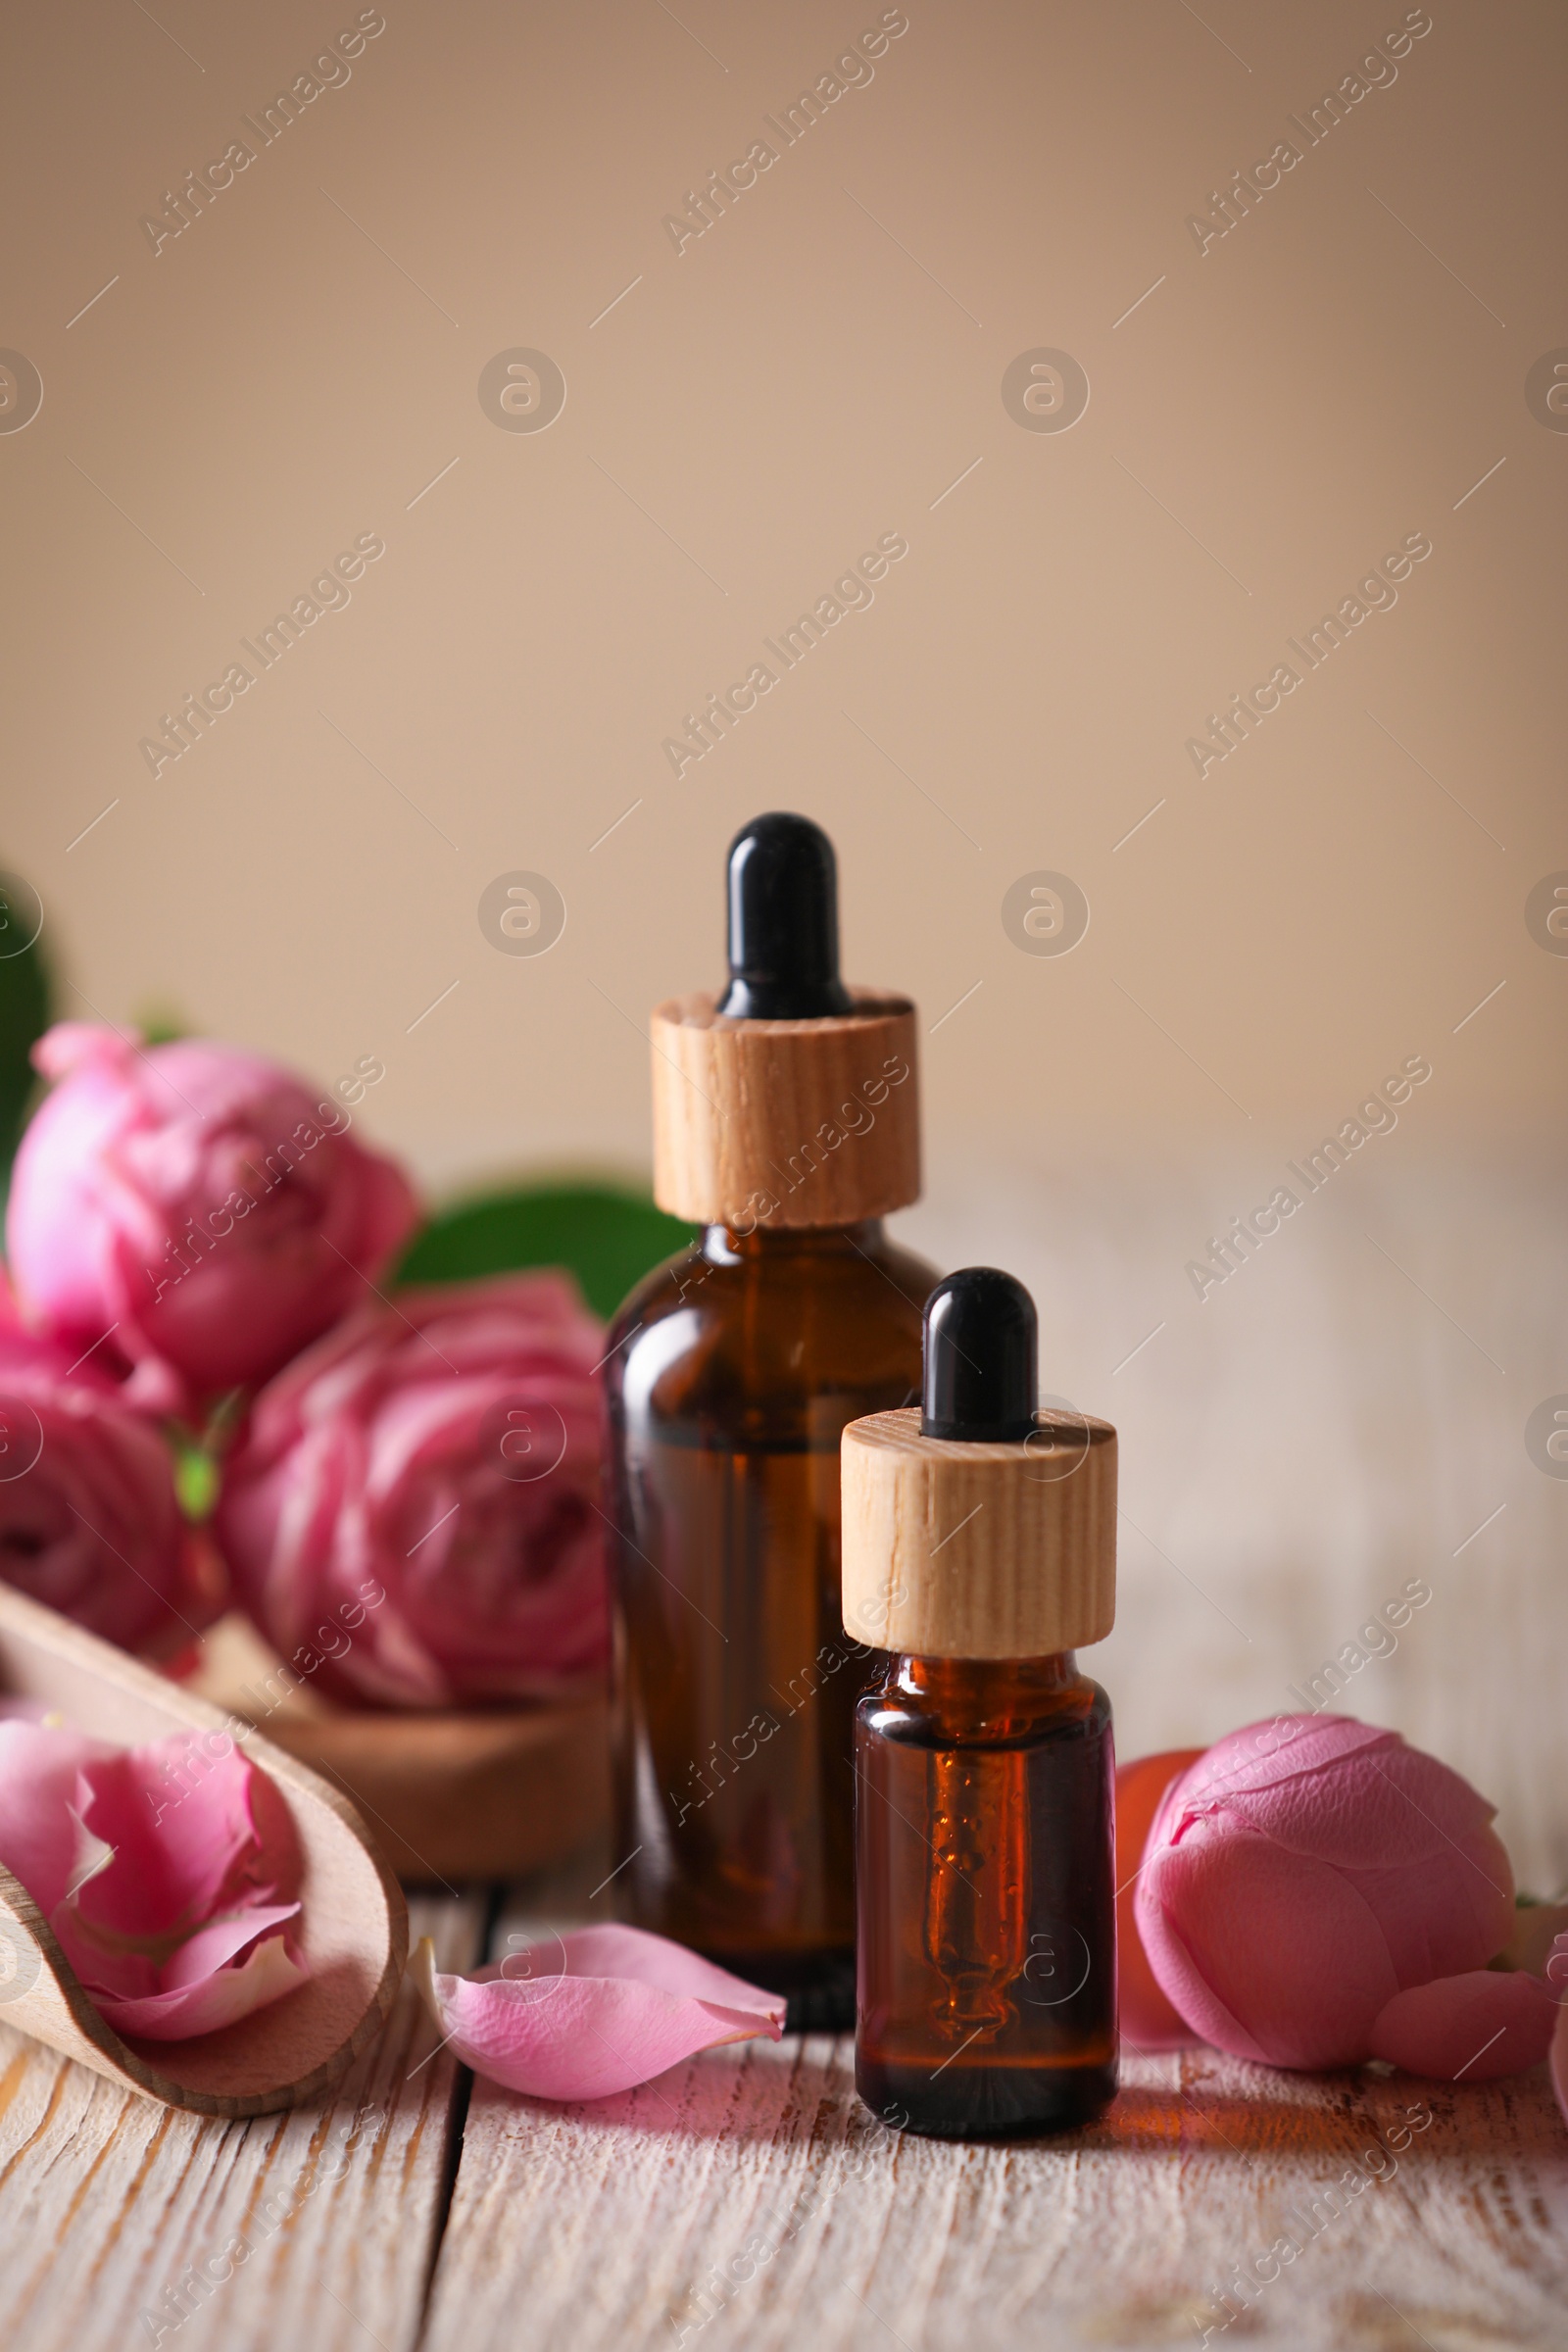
<point x="450" y="1798"/>
<point x="352" y="1927"/>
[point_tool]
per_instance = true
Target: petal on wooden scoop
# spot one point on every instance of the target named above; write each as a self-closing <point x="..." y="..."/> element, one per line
<point x="214" y="1995"/>
<point x="168" y="1895"/>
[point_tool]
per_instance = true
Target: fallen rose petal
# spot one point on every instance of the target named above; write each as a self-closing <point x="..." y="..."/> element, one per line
<point x="1149" y="2021"/>
<point x="1470" y="2028"/>
<point x="221" y="1997"/>
<point x="1557" y="1979"/>
<point x="594" y="2012"/>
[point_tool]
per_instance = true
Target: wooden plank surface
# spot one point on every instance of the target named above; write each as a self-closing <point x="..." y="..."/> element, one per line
<point x="128" y="2224"/>
<point x="746" y="2200"/>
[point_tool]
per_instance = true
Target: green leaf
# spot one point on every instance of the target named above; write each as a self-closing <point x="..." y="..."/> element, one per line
<point x="23" y="1013"/>
<point x="609" y="1236"/>
<point x="161" y="1025"/>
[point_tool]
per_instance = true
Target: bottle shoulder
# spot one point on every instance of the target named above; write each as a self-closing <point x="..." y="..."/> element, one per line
<point x="718" y="1332"/>
<point x="996" y="1710"/>
<point x="836" y="1263"/>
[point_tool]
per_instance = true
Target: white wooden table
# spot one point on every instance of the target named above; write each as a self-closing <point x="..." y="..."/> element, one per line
<point x="747" y="2199"/>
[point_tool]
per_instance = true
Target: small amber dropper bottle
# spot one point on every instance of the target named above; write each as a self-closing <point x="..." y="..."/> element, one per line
<point x="983" y="1534"/>
<point x="786" y="1126"/>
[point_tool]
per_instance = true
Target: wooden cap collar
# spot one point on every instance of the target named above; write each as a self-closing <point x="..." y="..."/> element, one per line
<point x="785" y="1123"/>
<point x="967" y="1550"/>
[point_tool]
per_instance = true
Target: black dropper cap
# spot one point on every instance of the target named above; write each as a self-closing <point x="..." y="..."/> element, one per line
<point x="980" y="1338"/>
<point x="783" y="923"/>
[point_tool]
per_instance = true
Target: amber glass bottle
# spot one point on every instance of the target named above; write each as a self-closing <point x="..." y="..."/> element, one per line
<point x="732" y="1373"/>
<point x="985" y="1772"/>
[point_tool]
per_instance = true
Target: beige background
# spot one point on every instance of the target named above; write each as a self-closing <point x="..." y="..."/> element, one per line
<point x="298" y="365"/>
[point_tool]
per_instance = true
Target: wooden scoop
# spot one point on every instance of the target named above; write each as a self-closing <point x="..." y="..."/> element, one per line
<point x="352" y="1929"/>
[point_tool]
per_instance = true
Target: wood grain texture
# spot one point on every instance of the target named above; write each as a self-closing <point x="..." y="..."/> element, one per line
<point x="785" y="1123"/>
<point x="747" y="2199"/>
<point x="115" y="2208"/>
<point x="956" y="1549"/>
<point x="353" y="1924"/>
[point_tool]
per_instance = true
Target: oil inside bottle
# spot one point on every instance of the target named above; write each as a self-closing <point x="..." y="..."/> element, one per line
<point x="987" y="1914"/>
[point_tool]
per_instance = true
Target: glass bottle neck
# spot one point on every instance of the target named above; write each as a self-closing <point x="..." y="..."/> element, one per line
<point x="729" y="1245"/>
<point x="987" y="1695"/>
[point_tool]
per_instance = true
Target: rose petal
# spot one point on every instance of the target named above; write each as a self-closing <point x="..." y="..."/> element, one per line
<point x="1453" y="1912"/>
<point x="598" y="2011"/>
<point x="1342" y="1792"/>
<point x="1471" y="2027"/>
<point x="1149" y="2021"/>
<point x="219" y="1998"/>
<point x="223" y="1940"/>
<point x="133" y="1976"/>
<point x="179" y="1819"/>
<point x="1293" y="1967"/>
<point x="155" y="1866"/>
<point x="1559" y="2053"/>
<point x="39" y="1835"/>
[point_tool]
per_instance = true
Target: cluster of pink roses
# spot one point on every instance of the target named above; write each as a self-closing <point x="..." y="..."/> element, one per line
<point x="195" y="1239"/>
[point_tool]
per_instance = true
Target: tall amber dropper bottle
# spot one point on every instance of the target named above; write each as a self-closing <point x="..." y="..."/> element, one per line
<point x="984" y="1533"/>
<point x="786" y="1125"/>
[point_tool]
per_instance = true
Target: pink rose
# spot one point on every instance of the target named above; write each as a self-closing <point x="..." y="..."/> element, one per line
<point x="412" y="1510"/>
<point x="192" y="1212"/>
<point x="88" y="1520"/>
<point x="1314" y="1893"/>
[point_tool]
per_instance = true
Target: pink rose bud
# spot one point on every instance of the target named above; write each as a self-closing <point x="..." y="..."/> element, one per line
<point x="412" y="1517"/>
<point x="1307" y="1876"/>
<point x="192" y="1212"/>
<point x="88" y="1520"/>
